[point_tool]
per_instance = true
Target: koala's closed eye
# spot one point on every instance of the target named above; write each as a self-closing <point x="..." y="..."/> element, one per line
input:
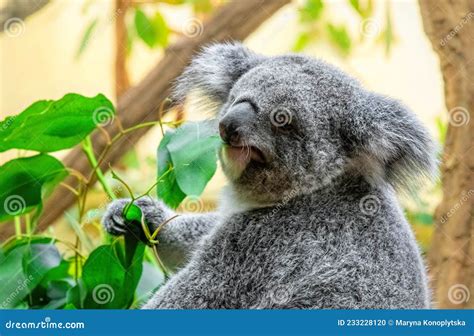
<point x="246" y="100"/>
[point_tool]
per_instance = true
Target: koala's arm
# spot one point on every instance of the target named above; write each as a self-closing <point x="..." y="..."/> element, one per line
<point x="177" y="239"/>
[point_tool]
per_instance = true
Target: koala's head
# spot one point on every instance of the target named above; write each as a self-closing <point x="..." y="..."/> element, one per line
<point x="292" y="124"/>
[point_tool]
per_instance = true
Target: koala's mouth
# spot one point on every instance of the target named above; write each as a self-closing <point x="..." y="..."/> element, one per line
<point x="244" y="154"/>
<point x="236" y="159"/>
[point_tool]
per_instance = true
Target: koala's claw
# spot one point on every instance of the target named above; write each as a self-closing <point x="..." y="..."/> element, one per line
<point x="115" y="224"/>
<point x="113" y="220"/>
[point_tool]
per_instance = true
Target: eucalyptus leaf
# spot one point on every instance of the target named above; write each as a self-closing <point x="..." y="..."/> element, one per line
<point x="167" y="188"/>
<point x="23" y="180"/>
<point x="145" y="28"/>
<point x="364" y="9"/>
<point x="311" y="10"/>
<point x="49" y="125"/>
<point x="190" y="153"/>
<point x="110" y="284"/>
<point x="161" y="29"/>
<point x="340" y="37"/>
<point x="86" y="37"/>
<point x="302" y="42"/>
<point x="23" y="268"/>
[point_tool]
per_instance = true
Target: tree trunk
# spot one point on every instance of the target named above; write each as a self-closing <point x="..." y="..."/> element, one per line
<point x="122" y="81"/>
<point x="234" y="21"/>
<point x="450" y="27"/>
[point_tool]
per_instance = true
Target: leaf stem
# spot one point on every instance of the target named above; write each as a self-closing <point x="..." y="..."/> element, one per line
<point x="28" y="225"/>
<point x="156" y="183"/>
<point x="17" y="227"/>
<point x="160" y="263"/>
<point x="89" y="151"/>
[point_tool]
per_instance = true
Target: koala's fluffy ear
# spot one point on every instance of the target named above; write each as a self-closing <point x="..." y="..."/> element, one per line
<point x="215" y="70"/>
<point x="386" y="140"/>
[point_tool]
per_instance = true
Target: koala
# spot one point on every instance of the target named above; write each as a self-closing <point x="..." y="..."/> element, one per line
<point x="309" y="218"/>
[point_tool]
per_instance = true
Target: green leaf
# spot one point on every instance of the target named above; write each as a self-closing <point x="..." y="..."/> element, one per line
<point x="340" y="37"/>
<point x="442" y="128"/>
<point x="133" y="213"/>
<point x="145" y="28"/>
<point x="153" y="31"/>
<point x="38" y="260"/>
<point x="311" y="10"/>
<point x="23" y="182"/>
<point x="23" y="268"/>
<point x="387" y="34"/>
<point x="14" y="243"/>
<point x="202" y="6"/>
<point x="161" y="30"/>
<point x="14" y="281"/>
<point x="302" y="41"/>
<point x="191" y="152"/>
<point x="86" y="37"/>
<point x="49" y="125"/>
<point x="152" y="279"/>
<point x="76" y="295"/>
<point x="110" y="284"/>
<point x="364" y="10"/>
<point x="167" y="188"/>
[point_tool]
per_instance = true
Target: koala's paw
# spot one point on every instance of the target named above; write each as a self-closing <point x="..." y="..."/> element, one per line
<point x="115" y="224"/>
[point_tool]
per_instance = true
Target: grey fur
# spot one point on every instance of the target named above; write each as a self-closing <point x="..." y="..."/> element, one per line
<point x="317" y="225"/>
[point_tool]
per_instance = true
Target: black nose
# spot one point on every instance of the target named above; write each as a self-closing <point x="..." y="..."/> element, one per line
<point x="229" y="132"/>
<point x="238" y="117"/>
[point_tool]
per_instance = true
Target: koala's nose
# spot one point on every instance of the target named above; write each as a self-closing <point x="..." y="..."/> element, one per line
<point x="229" y="132"/>
<point x="238" y="116"/>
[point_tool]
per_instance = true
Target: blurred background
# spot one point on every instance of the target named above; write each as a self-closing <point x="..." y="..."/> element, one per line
<point x="106" y="46"/>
